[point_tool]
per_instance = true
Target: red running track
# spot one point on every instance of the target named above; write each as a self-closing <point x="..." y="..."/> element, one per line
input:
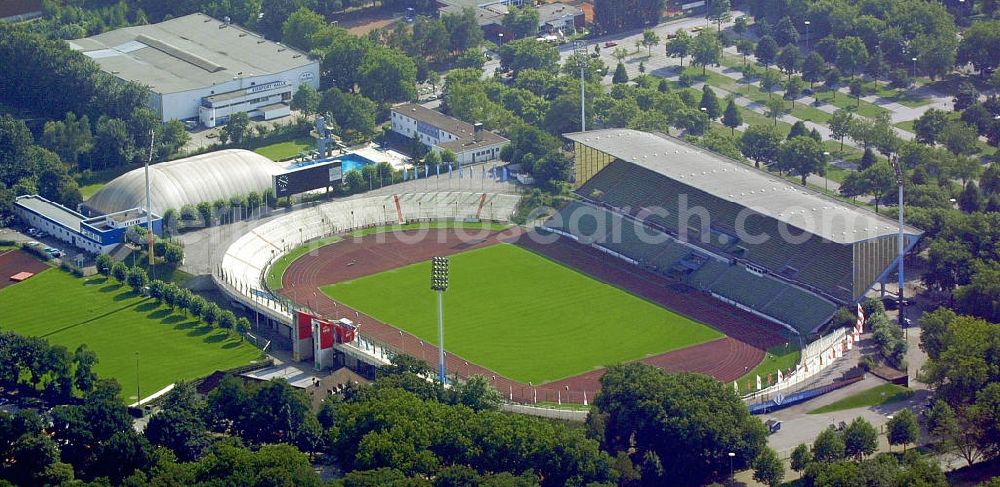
<point x="14" y="261"/>
<point x="726" y="359"/>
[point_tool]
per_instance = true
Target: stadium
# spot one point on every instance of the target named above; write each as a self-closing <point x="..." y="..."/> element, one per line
<point x="747" y="262"/>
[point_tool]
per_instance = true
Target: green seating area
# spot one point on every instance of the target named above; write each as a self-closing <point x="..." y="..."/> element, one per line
<point x="749" y="289"/>
<point x="818" y="264"/>
<point x="706" y="276"/>
<point x="800" y="309"/>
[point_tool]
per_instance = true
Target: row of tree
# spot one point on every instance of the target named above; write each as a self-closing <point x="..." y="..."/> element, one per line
<point x="896" y="32"/>
<point x="172" y="295"/>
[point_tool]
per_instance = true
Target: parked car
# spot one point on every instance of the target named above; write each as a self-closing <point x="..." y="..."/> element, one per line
<point x="41" y="235"/>
<point x="891" y="302"/>
<point x="33" y="231"/>
<point x="610" y="44"/>
<point x="773" y="426"/>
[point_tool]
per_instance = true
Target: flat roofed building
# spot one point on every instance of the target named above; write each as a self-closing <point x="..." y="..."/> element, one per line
<point x="96" y="235"/>
<point x="440" y="132"/>
<point x="18" y="10"/>
<point x="200" y="67"/>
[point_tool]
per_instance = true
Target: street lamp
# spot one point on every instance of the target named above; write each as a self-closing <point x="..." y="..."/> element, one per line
<point x="914" y="59"/>
<point x="501" y="38"/>
<point x="807" y="34"/>
<point x="138" y="396"/>
<point x="439" y="283"/>
<point x="731" y="455"/>
<point x="826" y="179"/>
<point x="580" y="49"/>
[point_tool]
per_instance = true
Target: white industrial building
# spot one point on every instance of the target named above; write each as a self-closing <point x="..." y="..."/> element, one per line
<point x="201" y="68"/>
<point x="469" y="142"/>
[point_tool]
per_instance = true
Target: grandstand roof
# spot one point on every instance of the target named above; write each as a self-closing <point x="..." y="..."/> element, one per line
<point x="205" y="177"/>
<point x="730" y="180"/>
<point x="187" y="53"/>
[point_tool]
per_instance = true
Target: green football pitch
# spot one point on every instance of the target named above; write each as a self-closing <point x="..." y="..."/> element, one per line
<point x="522" y="315"/>
<point x="116" y="324"/>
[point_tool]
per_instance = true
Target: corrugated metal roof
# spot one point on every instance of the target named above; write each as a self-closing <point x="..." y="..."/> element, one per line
<point x="733" y="181"/>
<point x="187" y="53"/>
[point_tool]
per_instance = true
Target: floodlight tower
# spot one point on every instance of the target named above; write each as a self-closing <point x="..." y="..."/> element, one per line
<point x="149" y="207"/>
<point x="439" y="283"/>
<point x="580" y="49"/>
<point x="898" y="167"/>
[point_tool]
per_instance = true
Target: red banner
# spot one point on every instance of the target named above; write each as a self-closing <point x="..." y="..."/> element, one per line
<point x="345" y="331"/>
<point x="325" y="334"/>
<point x="304" y="321"/>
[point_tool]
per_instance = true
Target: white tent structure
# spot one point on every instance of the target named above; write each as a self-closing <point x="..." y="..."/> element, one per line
<point x="189" y="181"/>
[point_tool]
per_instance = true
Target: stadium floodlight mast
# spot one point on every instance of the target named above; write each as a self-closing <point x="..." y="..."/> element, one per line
<point x="149" y="206"/>
<point x="897" y="165"/>
<point x="439" y="283"/>
<point x="580" y="49"/>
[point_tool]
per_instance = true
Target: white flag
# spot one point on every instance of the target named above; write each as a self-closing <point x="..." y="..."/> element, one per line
<point x="781" y="378"/>
<point x="861" y="319"/>
<point x="758" y="382"/>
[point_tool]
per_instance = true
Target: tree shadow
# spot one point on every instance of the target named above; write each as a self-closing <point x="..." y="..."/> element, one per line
<point x="160" y="314"/>
<point x="187" y="325"/>
<point x="231" y="345"/>
<point x="96" y="281"/>
<point x="169" y="320"/>
<point x="200" y="331"/>
<point x="146" y="307"/>
<point x="125" y="296"/>
<point x="110" y="287"/>
<point x="216" y="338"/>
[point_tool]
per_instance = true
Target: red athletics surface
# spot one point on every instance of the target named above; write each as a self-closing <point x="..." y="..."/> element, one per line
<point x="13" y="262"/>
<point x="726" y="359"/>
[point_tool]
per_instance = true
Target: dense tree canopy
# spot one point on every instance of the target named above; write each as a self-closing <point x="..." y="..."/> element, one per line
<point x="685" y="424"/>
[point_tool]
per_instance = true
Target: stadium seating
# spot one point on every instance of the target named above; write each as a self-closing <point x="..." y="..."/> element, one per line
<point x="802" y="310"/>
<point x="749" y="289"/>
<point x="246" y="259"/>
<point x="817" y="264"/>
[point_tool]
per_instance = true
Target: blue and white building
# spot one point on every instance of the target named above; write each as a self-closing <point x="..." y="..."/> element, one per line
<point x="96" y="235"/>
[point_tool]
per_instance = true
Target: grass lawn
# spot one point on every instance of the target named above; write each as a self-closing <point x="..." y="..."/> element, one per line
<point x="876" y="396"/>
<point x="116" y="325"/>
<point x="93" y="181"/>
<point x="782" y="357"/>
<point x="161" y="270"/>
<point x="903" y="97"/>
<point x="754" y="93"/>
<point x="278" y="268"/>
<point x="522" y="315"/>
<point x="282" y="151"/>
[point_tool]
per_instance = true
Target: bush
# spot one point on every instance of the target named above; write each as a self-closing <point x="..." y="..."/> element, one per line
<point x="899" y="78"/>
<point x="685" y="80"/>
<point x="173" y="254"/>
<point x="36" y="251"/>
<point x="72" y="269"/>
<point x="104" y="263"/>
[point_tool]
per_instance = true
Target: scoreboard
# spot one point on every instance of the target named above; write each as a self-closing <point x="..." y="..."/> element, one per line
<point x="308" y="178"/>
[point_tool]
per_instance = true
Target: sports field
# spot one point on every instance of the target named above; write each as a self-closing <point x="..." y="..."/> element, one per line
<point x="116" y="324"/>
<point x="522" y="315"/>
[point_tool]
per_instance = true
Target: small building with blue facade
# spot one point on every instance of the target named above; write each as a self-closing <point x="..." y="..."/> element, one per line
<point x="96" y="235"/>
